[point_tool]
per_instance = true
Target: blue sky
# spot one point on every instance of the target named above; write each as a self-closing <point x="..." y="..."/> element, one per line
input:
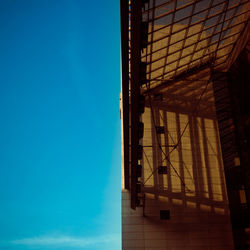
<point x="59" y="124"/>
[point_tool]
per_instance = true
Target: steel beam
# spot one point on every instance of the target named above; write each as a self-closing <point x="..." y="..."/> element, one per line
<point x="125" y="87"/>
<point x="135" y="91"/>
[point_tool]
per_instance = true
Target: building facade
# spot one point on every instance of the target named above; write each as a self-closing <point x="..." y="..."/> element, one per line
<point x="185" y="124"/>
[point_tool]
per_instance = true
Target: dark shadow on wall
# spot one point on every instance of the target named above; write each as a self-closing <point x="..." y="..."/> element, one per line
<point x="194" y="189"/>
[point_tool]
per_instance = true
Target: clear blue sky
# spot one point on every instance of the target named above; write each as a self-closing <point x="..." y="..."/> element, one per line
<point x="59" y="124"/>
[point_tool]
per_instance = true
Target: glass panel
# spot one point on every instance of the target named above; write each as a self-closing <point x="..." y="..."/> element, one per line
<point x="202" y="5"/>
<point x="182" y="13"/>
<point x="216" y="9"/>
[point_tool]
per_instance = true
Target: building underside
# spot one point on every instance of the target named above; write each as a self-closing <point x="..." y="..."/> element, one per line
<point x="185" y="124"/>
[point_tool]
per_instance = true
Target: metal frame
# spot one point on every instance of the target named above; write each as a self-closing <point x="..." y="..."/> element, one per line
<point x="221" y="24"/>
<point x="221" y="28"/>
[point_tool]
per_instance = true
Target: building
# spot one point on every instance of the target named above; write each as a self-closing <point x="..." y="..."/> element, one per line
<point x="185" y="124"/>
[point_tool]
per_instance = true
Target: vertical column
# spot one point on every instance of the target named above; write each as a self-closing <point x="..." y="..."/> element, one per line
<point x="226" y="101"/>
<point x="125" y="87"/>
<point x="135" y="92"/>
